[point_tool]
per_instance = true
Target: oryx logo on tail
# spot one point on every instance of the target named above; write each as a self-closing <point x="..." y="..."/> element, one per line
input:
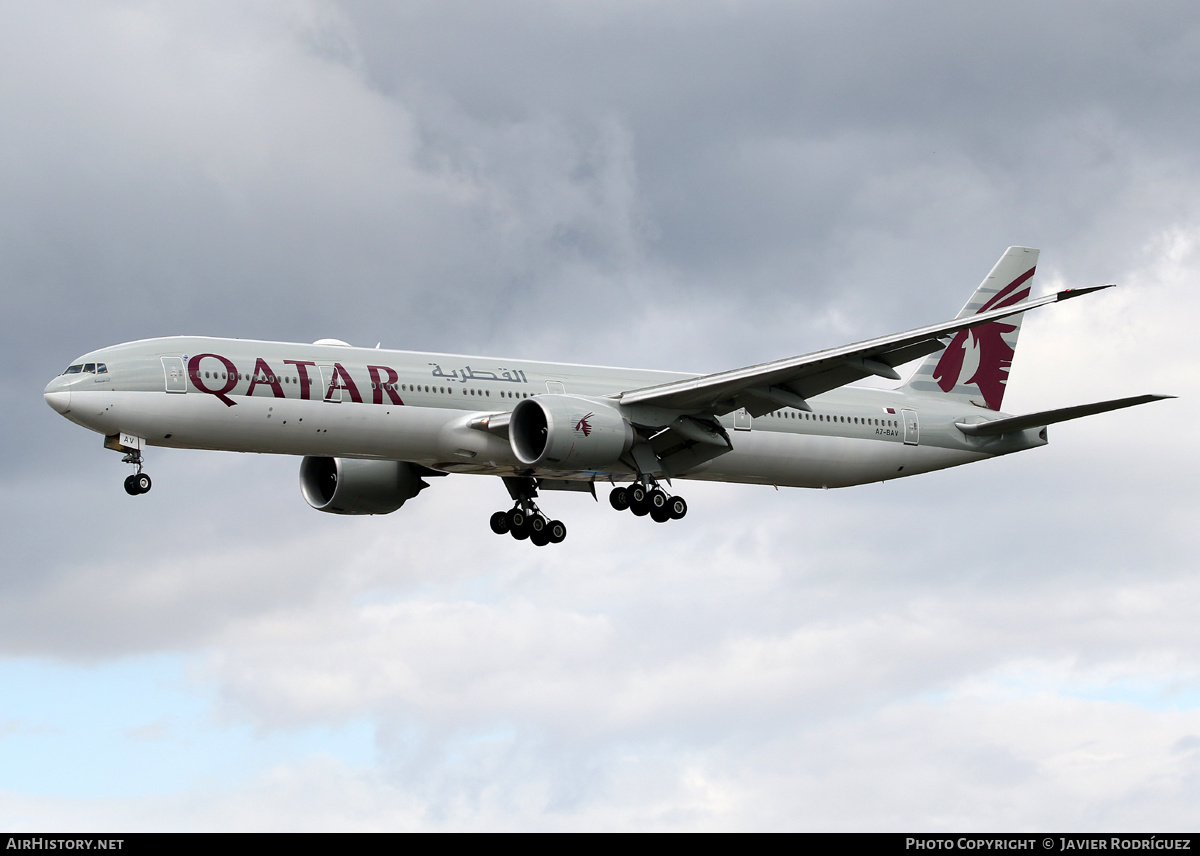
<point x="973" y="368"/>
<point x="988" y="342"/>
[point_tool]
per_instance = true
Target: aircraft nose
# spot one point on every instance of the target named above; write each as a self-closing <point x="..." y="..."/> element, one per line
<point x="58" y="395"/>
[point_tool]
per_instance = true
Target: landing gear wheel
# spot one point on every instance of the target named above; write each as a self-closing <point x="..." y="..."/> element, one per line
<point x="619" y="498"/>
<point x="677" y="507"/>
<point x="639" y="500"/>
<point x="660" y="513"/>
<point x="131" y="486"/>
<point x="658" y="499"/>
<point x="524" y="520"/>
<point x="143" y="482"/>
<point x="518" y="524"/>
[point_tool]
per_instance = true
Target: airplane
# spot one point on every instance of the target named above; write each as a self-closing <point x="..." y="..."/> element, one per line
<point x="372" y="425"/>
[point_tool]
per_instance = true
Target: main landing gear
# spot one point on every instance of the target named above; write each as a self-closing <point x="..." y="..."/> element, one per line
<point x="524" y="520"/>
<point x="644" y="498"/>
<point x="139" y="482"/>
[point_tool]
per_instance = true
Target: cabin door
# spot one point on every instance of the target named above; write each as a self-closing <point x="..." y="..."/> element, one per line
<point x="328" y="392"/>
<point x="912" y="430"/>
<point x="174" y="375"/>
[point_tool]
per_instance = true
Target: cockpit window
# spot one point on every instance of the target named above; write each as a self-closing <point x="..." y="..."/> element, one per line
<point x="101" y="368"/>
<point x="90" y="368"/>
<point x="75" y="369"/>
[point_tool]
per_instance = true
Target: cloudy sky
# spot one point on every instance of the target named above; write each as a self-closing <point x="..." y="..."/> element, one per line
<point x="678" y="185"/>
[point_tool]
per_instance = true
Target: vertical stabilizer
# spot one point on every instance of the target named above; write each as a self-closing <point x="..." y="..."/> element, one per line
<point x="974" y="365"/>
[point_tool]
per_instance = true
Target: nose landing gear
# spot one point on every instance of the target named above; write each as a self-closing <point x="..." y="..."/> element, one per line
<point x="139" y="482"/>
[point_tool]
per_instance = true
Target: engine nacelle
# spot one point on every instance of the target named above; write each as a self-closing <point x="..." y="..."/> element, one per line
<point x="351" y="486"/>
<point x="568" y="432"/>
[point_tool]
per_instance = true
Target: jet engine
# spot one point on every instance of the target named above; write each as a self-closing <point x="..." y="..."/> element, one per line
<point x="352" y="486"/>
<point x="568" y="432"/>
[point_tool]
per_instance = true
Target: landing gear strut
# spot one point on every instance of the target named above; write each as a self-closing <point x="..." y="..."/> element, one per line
<point x="524" y="520"/>
<point x="139" y="482"/>
<point x="645" y="496"/>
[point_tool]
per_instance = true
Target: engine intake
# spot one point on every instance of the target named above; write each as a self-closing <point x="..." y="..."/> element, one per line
<point x="568" y="432"/>
<point x="352" y="486"/>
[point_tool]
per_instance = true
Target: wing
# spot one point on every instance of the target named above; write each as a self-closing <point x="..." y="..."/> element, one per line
<point x="790" y="382"/>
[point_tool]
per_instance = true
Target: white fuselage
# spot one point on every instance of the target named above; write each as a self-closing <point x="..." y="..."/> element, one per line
<point x="339" y="401"/>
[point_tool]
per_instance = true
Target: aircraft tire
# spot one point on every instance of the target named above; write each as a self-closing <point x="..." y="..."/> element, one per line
<point x="499" y="522"/>
<point x="658" y="498"/>
<point x="518" y="524"/>
<point x="558" y="532"/>
<point x="660" y="513"/>
<point x="636" y="493"/>
<point x="540" y="537"/>
<point x="131" y="487"/>
<point x="143" y="483"/>
<point x="619" y="498"/>
<point x="678" y="507"/>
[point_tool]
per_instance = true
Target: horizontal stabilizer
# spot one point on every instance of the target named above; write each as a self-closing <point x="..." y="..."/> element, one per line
<point x="1048" y="417"/>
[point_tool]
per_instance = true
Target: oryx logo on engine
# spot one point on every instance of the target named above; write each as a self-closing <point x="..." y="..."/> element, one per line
<point x="584" y="426"/>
